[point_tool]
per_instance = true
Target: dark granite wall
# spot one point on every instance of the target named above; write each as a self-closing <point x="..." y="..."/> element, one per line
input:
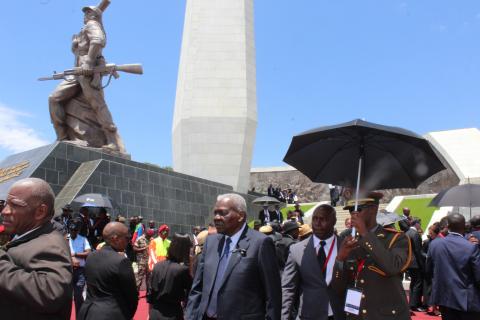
<point x="165" y="196"/>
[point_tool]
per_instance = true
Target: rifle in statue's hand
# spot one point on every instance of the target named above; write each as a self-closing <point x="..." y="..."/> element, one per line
<point x="108" y="69"/>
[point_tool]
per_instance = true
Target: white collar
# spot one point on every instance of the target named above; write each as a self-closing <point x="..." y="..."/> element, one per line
<point x="455" y="234"/>
<point x="328" y="242"/>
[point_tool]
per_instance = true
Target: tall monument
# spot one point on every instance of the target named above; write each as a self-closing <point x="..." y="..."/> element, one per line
<point x="215" y="115"/>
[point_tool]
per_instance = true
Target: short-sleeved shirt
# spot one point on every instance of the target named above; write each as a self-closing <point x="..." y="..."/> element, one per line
<point x="79" y="245"/>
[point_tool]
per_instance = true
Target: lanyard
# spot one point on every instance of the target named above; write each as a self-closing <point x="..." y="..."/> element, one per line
<point x="329" y="255"/>
<point x="361" y="264"/>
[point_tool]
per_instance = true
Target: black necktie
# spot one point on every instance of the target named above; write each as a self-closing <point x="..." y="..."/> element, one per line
<point x="322" y="257"/>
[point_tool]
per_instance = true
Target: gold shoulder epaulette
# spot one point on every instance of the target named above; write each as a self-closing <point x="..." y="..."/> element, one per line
<point x="392" y="230"/>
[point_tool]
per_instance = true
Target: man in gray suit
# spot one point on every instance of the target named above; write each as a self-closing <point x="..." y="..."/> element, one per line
<point x="308" y="272"/>
<point x="237" y="276"/>
<point x="35" y="267"/>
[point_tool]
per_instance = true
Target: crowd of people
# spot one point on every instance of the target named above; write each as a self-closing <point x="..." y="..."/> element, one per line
<point x="280" y="269"/>
<point x="283" y="195"/>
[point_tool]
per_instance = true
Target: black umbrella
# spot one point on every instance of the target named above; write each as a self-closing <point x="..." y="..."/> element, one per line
<point x="378" y="156"/>
<point x="95" y="200"/>
<point x="465" y="195"/>
<point x="265" y="201"/>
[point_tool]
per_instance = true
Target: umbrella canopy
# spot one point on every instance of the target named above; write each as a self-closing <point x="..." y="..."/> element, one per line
<point x="389" y="157"/>
<point x="95" y="200"/>
<point x="265" y="201"/>
<point x="465" y="195"/>
<point x="388" y="218"/>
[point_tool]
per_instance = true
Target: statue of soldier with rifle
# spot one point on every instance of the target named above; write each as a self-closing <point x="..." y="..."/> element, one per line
<point x="77" y="106"/>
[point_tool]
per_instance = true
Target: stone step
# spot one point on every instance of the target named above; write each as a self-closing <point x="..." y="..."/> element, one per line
<point x="344" y="214"/>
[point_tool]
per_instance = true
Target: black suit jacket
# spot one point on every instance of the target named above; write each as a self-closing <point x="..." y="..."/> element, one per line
<point x="251" y="284"/>
<point x="261" y="216"/>
<point x="168" y="287"/>
<point x="111" y="288"/>
<point x="274" y="215"/>
<point x="418" y="260"/>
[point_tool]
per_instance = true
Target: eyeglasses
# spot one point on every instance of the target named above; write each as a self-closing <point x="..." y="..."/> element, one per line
<point x="360" y="208"/>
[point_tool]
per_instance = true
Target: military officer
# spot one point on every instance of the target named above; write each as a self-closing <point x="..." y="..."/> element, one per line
<point x="87" y="47"/>
<point x="372" y="265"/>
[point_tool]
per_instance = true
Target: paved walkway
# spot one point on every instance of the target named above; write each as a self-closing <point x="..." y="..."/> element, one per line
<point x="142" y="311"/>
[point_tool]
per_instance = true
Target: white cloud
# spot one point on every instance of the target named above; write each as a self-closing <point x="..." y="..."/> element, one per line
<point x="15" y="135"/>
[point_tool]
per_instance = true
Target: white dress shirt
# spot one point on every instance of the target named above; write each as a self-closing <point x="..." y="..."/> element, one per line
<point x="267" y="215"/>
<point x="328" y="243"/>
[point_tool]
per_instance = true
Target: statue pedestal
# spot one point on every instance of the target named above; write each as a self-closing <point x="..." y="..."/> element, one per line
<point x="165" y="196"/>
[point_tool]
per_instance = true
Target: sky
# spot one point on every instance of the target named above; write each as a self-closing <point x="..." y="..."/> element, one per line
<point x="412" y="64"/>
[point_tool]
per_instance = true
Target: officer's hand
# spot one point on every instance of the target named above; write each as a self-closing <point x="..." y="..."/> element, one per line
<point x="359" y="223"/>
<point x="348" y="244"/>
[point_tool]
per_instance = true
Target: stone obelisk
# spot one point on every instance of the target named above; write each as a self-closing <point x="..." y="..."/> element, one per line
<point x="215" y="114"/>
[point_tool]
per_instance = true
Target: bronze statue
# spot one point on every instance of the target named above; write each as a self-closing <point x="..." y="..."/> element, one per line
<point x="77" y="106"/>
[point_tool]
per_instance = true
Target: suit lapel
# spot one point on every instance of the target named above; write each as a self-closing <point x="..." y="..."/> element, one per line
<point x="243" y="244"/>
<point x="213" y="260"/>
<point x="312" y="256"/>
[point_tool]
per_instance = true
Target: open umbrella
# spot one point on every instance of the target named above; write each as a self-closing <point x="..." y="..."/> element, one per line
<point x="265" y="201"/>
<point x="95" y="200"/>
<point x="464" y="195"/>
<point x="363" y="153"/>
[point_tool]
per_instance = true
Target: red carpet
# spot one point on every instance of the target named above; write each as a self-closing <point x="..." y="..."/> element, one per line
<point x="142" y="311"/>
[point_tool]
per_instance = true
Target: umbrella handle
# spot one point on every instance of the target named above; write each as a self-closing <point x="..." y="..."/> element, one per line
<point x="357" y="190"/>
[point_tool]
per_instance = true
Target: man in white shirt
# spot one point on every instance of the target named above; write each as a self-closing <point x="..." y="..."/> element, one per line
<point x="308" y="271"/>
<point x="264" y="215"/>
<point x="79" y="249"/>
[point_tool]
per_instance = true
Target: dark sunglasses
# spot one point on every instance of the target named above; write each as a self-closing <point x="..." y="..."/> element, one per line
<point x="360" y="208"/>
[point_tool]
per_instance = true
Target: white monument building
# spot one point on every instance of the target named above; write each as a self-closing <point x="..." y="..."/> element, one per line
<point x="215" y="114"/>
<point x="461" y="149"/>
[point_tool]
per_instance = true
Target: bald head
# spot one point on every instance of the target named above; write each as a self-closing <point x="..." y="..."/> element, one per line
<point x="116" y="235"/>
<point x="456" y="223"/>
<point x="114" y="229"/>
<point x="29" y="205"/>
<point x="38" y="192"/>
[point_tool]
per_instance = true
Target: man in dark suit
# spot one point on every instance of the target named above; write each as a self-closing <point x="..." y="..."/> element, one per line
<point x="309" y="270"/>
<point x="237" y="276"/>
<point x="35" y="267"/>
<point x="454" y="263"/>
<point x="265" y="216"/>
<point x="276" y="214"/>
<point x="416" y="269"/>
<point x="111" y="287"/>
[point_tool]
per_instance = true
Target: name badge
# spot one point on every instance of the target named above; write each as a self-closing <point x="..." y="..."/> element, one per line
<point x="352" y="303"/>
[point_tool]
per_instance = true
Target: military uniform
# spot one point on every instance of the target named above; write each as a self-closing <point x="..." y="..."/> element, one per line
<point x="92" y="34"/>
<point x="142" y="261"/>
<point x="376" y="267"/>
